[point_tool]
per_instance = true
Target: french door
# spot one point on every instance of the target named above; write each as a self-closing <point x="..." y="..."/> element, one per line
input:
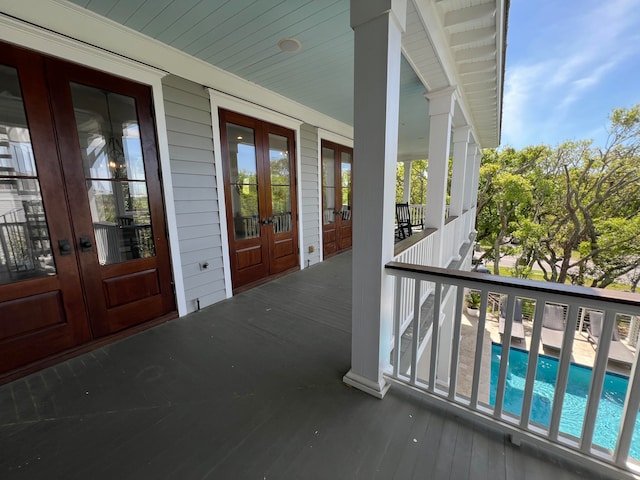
<point x="260" y="193"/>
<point x="83" y="247"/>
<point x="337" y="161"/>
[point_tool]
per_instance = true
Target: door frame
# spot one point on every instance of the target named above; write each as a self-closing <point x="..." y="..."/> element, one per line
<point x="219" y="100"/>
<point x="54" y="44"/>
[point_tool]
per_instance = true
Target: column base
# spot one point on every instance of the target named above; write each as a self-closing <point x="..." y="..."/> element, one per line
<point x="376" y="389"/>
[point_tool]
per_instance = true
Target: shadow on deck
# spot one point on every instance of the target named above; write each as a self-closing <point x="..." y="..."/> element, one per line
<point x="248" y="388"/>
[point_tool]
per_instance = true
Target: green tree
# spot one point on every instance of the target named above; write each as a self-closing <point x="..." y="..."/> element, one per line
<point x="579" y="217"/>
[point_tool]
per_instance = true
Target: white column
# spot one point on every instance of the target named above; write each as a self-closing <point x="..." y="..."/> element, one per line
<point x="378" y="27"/>
<point x="406" y="189"/>
<point x="460" y="142"/>
<point x="469" y="176"/>
<point x="441" y="104"/>
<point x="476" y="175"/>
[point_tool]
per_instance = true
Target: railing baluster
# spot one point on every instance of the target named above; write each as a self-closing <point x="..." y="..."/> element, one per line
<point x="435" y="330"/>
<point x="397" y="321"/>
<point x="504" y="357"/>
<point x="532" y="365"/>
<point x="455" y="347"/>
<point x="597" y="381"/>
<point x="563" y="371"/>
<point x="482" y="320"/>
<point x="629" y="415"/>
<point x="415" y="338"/>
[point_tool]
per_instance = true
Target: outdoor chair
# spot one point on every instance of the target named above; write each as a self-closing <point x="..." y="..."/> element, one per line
<point x="552" y="327"/>
<point x="618" y="351"/>
<point x="517" y="329"/>
<point x="403" y="219"/>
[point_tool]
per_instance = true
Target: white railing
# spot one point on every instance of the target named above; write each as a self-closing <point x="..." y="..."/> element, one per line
<point x="579" y="409"/>
<point x="417" y="213"/>
<point x="420" y="253"/>
<point x="450" y="243"/>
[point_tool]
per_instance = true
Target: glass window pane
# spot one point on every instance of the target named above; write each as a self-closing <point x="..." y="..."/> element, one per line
<point x="281" y="208"/>
<point x="279" y="160"/>
<point x="121" y="220"/>
<point x="329" y="202"/>
<point x="346" y="169"/>
<point x="242" y="154"/>
<point x="328" y="167"/>
<point x="109" y="134"/>
<point x="25" y="245"/>
<point x="244" y="203"/>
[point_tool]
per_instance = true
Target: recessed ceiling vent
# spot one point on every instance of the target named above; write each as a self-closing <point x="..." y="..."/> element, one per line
<point x="289" y="45"/>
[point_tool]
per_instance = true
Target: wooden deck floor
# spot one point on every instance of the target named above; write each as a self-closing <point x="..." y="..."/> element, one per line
<point x="250" y="388"/>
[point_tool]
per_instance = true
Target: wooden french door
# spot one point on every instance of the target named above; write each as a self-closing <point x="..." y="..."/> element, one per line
<point x="260" y="193"/>
<point x="337" y="161"/>
<point x="83" y="248"/>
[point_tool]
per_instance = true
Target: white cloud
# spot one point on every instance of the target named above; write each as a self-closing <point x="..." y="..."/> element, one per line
<point x="592" y="46"/>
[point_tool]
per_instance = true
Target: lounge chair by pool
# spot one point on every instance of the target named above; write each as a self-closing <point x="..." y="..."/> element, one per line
<point x="552" y="327"/>
<point x="618" y="351"/>
<point x="517" y="329"/>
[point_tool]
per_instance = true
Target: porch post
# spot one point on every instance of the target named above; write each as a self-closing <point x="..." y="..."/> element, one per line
<point x="441" y="104"/>
<point x="476" y="175"/>
<point x="378" y="26"/>
<point x="406" y="188"/>
<point x="460" y="142"/>
<point x="470" y="172"/>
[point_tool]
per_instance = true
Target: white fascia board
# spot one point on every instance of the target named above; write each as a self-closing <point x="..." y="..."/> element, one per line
<point x="93" y="30"/>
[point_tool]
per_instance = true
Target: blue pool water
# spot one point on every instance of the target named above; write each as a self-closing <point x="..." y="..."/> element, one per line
<point x="575" y="400"/>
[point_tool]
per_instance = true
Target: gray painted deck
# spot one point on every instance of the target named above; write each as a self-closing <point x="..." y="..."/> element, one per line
<point x="249" y="388"/>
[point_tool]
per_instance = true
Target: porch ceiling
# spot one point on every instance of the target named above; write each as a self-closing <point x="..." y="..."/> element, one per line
<point x="241" y="37"/>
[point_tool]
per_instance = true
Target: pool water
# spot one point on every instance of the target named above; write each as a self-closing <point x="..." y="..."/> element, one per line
<point x="575" y="400"/>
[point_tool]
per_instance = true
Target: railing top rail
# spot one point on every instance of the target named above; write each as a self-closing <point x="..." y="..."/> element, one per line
<point x="533" y="286"/>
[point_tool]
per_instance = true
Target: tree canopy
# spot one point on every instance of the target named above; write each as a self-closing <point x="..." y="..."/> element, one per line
<point x="573" y="210"/>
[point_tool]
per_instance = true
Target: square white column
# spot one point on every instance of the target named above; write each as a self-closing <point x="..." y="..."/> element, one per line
<point x="406" y="189"/>
<point x="460" y="142"/>
<point x="378" y="27"/>
<point x="441" y="103"/>
<point x="470" y="173"/>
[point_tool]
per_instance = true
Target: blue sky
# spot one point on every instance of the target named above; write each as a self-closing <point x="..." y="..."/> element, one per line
<point x="569" y="62"/>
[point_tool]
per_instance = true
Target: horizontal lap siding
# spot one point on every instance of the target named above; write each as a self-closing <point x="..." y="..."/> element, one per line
<point x="193" y="174"/>
<point x="310" y="192"/>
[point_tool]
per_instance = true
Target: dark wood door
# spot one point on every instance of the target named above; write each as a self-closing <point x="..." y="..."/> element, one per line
<point x="259" y="184"/>
<point x="83" y="248"/>
<point x="337" y="206"/>
<point x="42" y="310"/>
<point x="107" y="143"/>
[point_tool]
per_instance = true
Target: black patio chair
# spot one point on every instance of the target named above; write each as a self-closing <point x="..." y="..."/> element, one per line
<point x="403" y="218"/>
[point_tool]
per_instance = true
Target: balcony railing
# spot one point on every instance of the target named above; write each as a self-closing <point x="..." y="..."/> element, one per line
<point x="567" y="398"/>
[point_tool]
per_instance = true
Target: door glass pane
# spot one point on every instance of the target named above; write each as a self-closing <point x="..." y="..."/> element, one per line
<point x="280" y="183"/>
<point x="25" y="246"/>
<point x="328" y="185"/>
<point x="346" y="185"/>
<point x="109" y="136"/>
<point x="244" y="181"/>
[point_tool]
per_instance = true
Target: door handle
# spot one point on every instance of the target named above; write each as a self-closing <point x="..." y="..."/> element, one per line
<point x="267" y="221"/>
<point x="65" y="247"/>
<point x="85" y="244"/>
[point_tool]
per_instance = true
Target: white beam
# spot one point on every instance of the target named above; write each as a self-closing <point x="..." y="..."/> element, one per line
<point x="472" y="36"/>
<point x="469" y="14"/>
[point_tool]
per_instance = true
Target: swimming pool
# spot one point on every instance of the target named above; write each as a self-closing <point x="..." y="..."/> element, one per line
<point x="575" y="401"/>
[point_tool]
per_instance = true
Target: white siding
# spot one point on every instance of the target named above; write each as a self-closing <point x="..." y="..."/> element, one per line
<point x="188" y="116"/>
<point x="310" y="192"/>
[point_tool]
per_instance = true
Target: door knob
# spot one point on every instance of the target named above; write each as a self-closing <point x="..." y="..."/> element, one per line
<point x="65" y="247"/>
<point x="85" y="244"/>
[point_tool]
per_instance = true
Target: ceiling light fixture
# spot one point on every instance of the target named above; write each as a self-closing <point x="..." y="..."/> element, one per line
<point x="289" y="45"/>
